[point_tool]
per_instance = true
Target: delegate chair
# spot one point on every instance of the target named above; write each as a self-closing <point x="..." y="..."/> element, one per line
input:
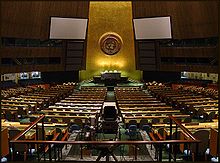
<point x="110" y="124"/>
<point x="20" y="149"/>
<point x="110" y="113"/>
<point x="202" y="135"/>
<point x="143" y="122"/>
<point x="59" y="147"/>
<point x="211" y="116"/>
<point x="132" y="122"/>
<point x="132" y="132"/>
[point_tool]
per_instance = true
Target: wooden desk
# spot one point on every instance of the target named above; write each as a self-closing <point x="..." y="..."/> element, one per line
<point x="15" y="105"/>
<point x="128" y="98"/>
<point x="69" y="112"/>
<point x="151" y="112"/>
<point x="138" y="118"/>
<point x="182" y="98"/>
<point x="205" y="106"/>
<point x="142" y="105"/>
<point x="75" y="108"/>
<point x="137" y="102"/>
<point x="62" y="116"/>
<point x="82" y="101"/>
<point x="16" y="125"/>
<point x="76" y="104"/>
<point x="146" y="108"/>
<point x="49" y="128"/>
<point x="19" y="102"/>
<point x="188" y="126"/>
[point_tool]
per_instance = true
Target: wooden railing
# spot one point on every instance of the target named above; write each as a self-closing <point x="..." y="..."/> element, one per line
<point x="185" y="130"/>
<point x="29" y="127"/>
<point x="48" y="144"/>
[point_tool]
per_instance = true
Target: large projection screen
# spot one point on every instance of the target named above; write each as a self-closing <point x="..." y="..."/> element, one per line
<point x="67" y="28"/>
<point x="152" y="28"/>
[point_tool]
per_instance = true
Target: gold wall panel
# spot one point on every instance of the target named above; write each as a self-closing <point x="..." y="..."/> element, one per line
<point x="107" y="17"/>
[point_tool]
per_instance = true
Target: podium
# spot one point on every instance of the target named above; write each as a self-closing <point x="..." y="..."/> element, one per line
<point x="111" y="76"/>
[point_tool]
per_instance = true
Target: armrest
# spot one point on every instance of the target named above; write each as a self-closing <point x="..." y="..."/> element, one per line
<point x="159" y="136"/>
<point x="65" y="136"/>
<point x="151" y="134"/>
<point x="54" y="138"/>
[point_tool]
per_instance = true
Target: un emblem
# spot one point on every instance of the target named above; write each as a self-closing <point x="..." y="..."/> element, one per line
<point x="110" y="43"/>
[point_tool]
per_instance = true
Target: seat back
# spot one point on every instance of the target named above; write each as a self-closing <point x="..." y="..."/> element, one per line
<point x="8" y="115"/>
<point x="143" y="122"/>
<point x="110" y="127"/>
<point x="41" y="133"/>
<point x="166" y="120"/>
<point x="78" y="122"/>
<point x="146" y="127"/>
<point x="74" y="127"/>
<point x="17" y="147"/>
<point x="155" y="120"/>
<point x="202" y="135"/>
<point x="21" y="111"/>
<point x="32" y="119"/>
<point x="58" y="130"/>
<point x="211" y="116"/>
<point x="187" y="120"/>
<point x="132" y="132"/>
<point x="110" y="113"/>
<point x="161" y="131"/>
<point x="54" y="120"/>
<point x="66" y="120"/>
<point x="176" y="135"/>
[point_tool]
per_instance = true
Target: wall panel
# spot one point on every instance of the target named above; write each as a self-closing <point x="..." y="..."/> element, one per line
<point x="193" y="68"/>
<point x="30" y="19"/>
<point x="31" y="52"/>
<point x="146" y="55"/>
<point x="190" y="19"/>
<point x="28" y="68"/>
<point x="189" y="52"/>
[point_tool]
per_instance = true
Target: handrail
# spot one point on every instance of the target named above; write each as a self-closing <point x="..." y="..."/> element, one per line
<point x="28" y="128"/>
<point x="104" y="142"/>
<point x="187" y="132"/>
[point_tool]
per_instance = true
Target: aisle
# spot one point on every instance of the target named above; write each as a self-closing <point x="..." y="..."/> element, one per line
<point x="110" y="97"/>
<point x="122" y="153"/>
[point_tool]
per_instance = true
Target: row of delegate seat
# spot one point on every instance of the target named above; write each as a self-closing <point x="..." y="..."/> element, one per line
<point x="82" y="105"/>
<point x="9" y="92"/>
<point x="32" y="102"/>
<point x="208" y="92"/>
<point x="139" y="104"/>
<point x="205" y="132"/>
<point x="54" y="132"/>
<point x="188" y="102"/>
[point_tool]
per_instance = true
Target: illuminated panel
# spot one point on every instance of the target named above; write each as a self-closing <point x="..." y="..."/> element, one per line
<point x="152" y="28"/>
<point x="67" y="28"/>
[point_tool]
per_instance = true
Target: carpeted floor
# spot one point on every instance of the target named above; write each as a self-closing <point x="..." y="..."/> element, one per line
<point x="122" y="152"/>
<point x="110" y="97"/>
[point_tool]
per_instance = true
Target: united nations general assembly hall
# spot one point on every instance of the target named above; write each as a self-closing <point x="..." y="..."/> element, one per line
<point x="109" y="81"/>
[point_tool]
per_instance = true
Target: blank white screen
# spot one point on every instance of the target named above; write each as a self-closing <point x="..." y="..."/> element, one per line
<point x="152" y="28"/>
<point x="68" y="28"/>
